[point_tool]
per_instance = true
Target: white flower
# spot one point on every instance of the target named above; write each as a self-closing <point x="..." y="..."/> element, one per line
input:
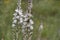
<point x="25" y="15"/>
<point x="28" y="29"/>
<point x="13" y="25"/>
<point x="15" y="14"/>
<point x="31" y="21"/>
<point x="23" y="26"/>
<point x="28" y="25"/>
<point x="21" y="20"/>
<point x="21" y="10"/>
<point x="17" y="17"/>
<point x="31" y="27"/>
<point x="24" y="23"/>
<point x="30" y="15"/>
<point x="15" y="21"/>
<point x="20" y="13"/>
<point x="26" y="19"/>
<point x="14" y="18"/>
<point x="31" y="33"/>
<point x="17" y="10"/>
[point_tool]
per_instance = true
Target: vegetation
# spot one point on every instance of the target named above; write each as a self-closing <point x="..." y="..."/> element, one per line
<point x="46" y="10"/>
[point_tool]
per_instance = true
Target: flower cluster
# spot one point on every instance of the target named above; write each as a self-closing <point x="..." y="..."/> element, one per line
<point x="28" y="22"/>
<point x="27" y="26"/>
<point x="17" y="19"/>
<point x="23" y="19"/>
<point x="18" y="16"/>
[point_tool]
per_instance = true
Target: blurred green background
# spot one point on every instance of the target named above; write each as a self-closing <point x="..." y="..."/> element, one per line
<point x="46" y="10"/>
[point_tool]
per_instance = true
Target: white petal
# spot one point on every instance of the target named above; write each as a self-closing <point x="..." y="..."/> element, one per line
<point x="20" y="13"/>
<point x="17" y="10"/>
<point x="28" y="25"/>
<point x="29" y="30"/>
<point x="20" y="10"/>
<point x="31" y="27"/>
<point x="14" y="18"/>
<point x="26" y="19"/>
<point x="31" y="33"/>
<point x="13" y="25"/>
<point x="15" y="14"/>
<point x="21" y="20"/>
<point x="29" y="14"/>
<point x="25" y="15"/>
<point x="24" y="23"/>
<point x="14" y="21"/>
<point x="17" y="17"/>
<point x="31" y="21"/>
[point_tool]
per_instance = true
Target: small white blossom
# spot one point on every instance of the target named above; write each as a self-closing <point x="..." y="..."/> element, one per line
<point x="28" y="25"/>
<point x="31" y="33"/>
<point x="30" y="15"/>
<point x="20" y="10"/>
<point x="28" y="29"/>
<point x="14" y="18"/>
<point x="20" y="13"/>
<point x="31" y="27"/>
<point x="26" y="19"/>
<point x="31" y="21"/>
<point x="25" y="15"/>
<point x="24" y="23"/>
<point x="17" y="17"/>
<point x="21" y="20"/>
<point x="17" y="10"/>
<point x="15" y="14"/>
<point x="14" y="21"/>
<point x="13" y="25"/>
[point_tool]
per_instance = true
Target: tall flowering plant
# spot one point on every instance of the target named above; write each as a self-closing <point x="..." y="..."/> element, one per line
<point x="24" y="20"/>
<point x="17" y="19"/>
<point x="27" y="28"/>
